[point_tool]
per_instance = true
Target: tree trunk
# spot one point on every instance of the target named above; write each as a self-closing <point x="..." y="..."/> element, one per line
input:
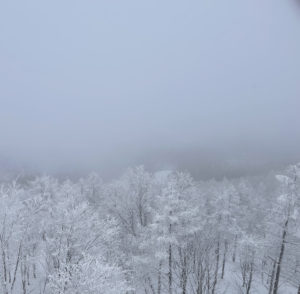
<point x="224" y="258"/>
<point x="4" y="266"/>
<point x="16" y="268"/>
<point x="200" y="279"/>
<point x="159" y="278"/>
<point x="272" y="277"/>
<point x="151" y="286"/>
<point x="34" y="270"/>
<point x="250" y="278"/>
<point x="234" y="248"/>
<point x="184" y="275"/>
<point x="170" y="270"/>
<point x="23" y="276"/>
<point x="277" y="277"/>
<point x="208" y="278"/>
<point x="217" y="266"/>
<point x="170" y="274"/>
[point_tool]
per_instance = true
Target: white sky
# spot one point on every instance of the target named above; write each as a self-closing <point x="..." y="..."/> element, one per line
<point x="85" y="84"/>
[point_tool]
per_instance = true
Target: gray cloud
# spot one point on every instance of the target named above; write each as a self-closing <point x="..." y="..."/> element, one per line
<point x="103" y="85"/>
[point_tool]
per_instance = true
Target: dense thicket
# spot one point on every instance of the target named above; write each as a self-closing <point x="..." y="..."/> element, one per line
<point x="151" y="233"/>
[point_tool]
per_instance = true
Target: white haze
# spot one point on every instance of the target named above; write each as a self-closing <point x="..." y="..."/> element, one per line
<point x="102" y="85"/>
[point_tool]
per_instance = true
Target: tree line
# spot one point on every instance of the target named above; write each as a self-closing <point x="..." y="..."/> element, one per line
<point x="151" y="233"/>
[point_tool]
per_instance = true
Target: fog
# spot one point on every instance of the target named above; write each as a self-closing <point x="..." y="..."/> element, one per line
<point x="209" y="86"/>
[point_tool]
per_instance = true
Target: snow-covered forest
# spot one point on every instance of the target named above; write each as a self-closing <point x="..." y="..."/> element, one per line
<point x="151" y="233"/>
<point x="150" y="147"/>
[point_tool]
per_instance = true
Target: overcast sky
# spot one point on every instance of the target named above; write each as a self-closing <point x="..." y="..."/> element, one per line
<point x="105" y="84"/>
